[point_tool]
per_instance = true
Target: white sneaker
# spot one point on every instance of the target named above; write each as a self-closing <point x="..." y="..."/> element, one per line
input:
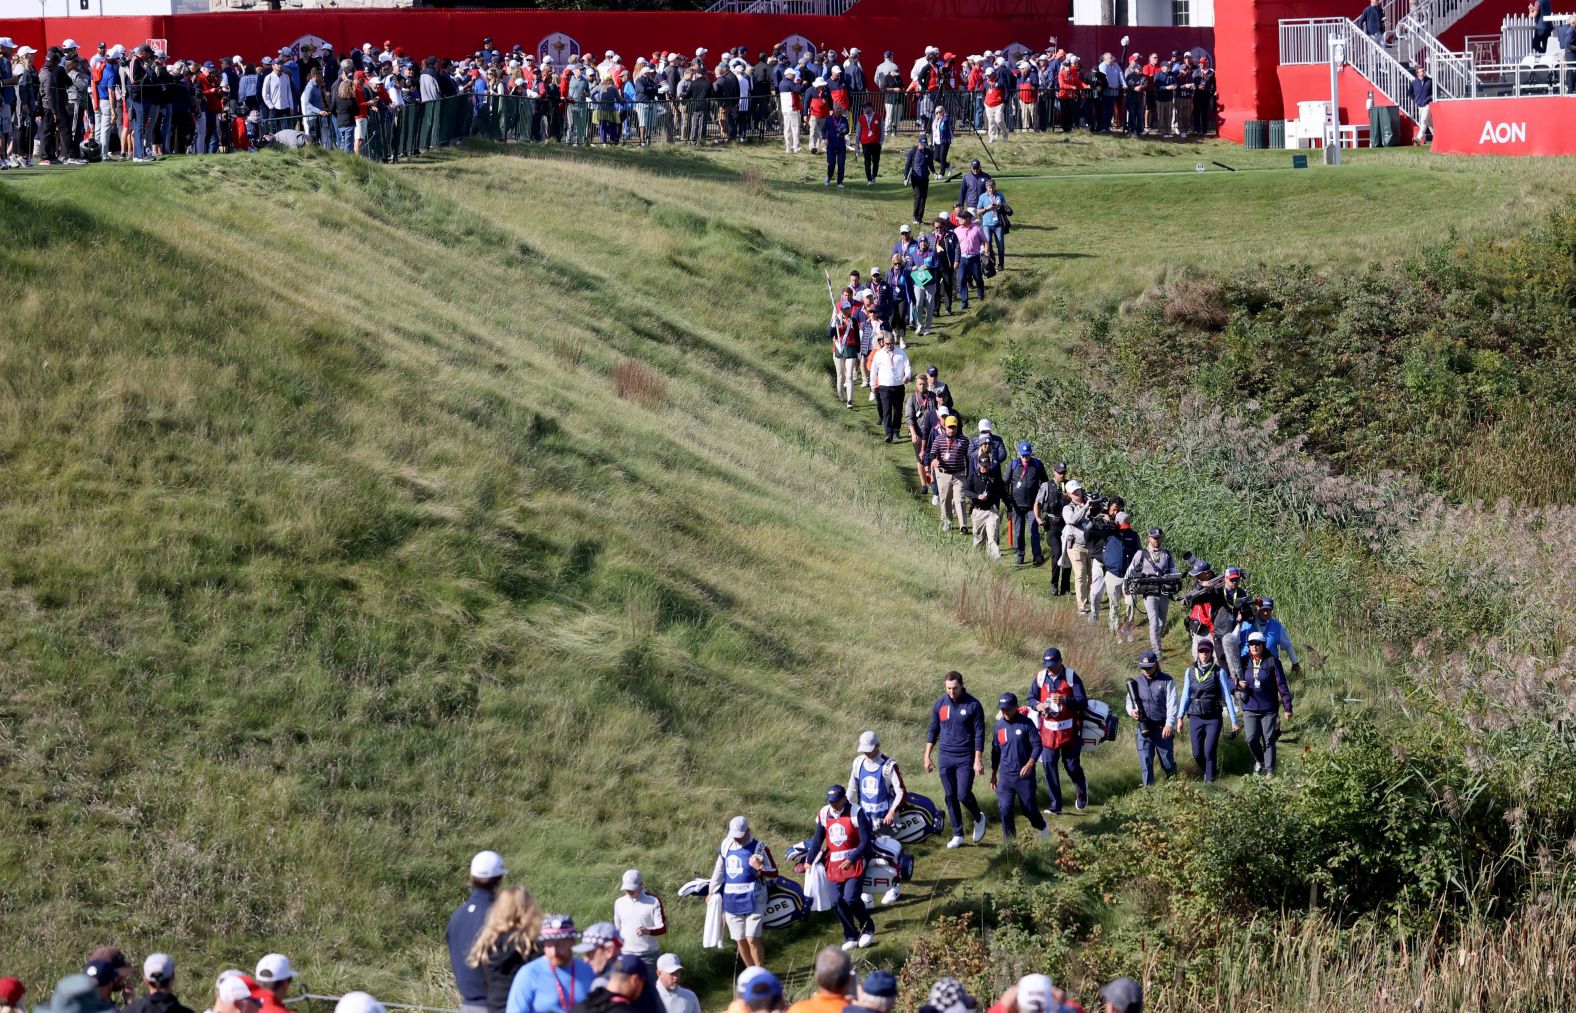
<point x="869" y="900"/>
<point x="866" y="939"/>
<point x="979" y="831"/>
<point x="872" y="396"/>
<point x="890" y="896"/>
<point x="849" y="944"/>
<point x="935" y="500"/>
<point x="956" y="842"/>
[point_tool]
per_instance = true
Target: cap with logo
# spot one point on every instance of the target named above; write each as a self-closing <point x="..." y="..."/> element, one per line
<point x="1266" y="603"/>
<point x="1025" y="448"/>
<point x="557" y="928"/>
<point x="1148" y="660"/>
<point x="836" y="794"/>
<point x="1052" y="656"/>
<point x="628" y="964"/>
<point x="1008" y="702"/>
<point x="1200" y="567"/>
<point x="1156" y="533"/>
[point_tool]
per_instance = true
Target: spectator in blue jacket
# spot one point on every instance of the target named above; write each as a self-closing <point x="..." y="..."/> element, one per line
<point x="1262" y="687"/>
<point x="1276" y="639"/>
<point x="1120" y="548"/>
<point x="487" y="873"/>
<point x="993" y="211"/>
<point x="834" y="135"/>
<point x="1024" y="477"/>
<point x="957" y="735"/>
<point x="1423" y="100"/>
<point x="1371" y="21"/>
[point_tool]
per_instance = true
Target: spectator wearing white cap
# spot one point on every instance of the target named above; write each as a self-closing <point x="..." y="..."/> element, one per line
<point x="231" y="994"/>
<point x="640" y="919"/>
<point x="358" y="1002"/>
<point x="486" y="873"/>
<point x="158" y="975"/>
<point x="271" y="982"/>
<point x="675" y="997"/>
<point x="1076" y="518"/>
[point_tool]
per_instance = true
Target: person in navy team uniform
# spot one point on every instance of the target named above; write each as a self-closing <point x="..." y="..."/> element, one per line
<point x="744" y="865"/>
<point x="487" y="872"/>
<point x="957" y="734"/>
<point x="842" y="840"/>
<point x="1014" y="751"/>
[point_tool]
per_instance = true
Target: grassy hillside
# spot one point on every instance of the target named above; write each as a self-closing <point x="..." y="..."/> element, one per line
<point x="330" y="551"/>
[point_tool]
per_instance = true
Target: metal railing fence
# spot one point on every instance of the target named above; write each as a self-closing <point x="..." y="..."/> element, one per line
<point x="1307" y="40"/>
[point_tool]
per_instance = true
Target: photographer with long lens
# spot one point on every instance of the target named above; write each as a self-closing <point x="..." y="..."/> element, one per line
<point x="1152" y="561"/>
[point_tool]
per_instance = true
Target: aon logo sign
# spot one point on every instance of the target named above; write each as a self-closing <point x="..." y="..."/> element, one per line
<point x="1503" y="133"/>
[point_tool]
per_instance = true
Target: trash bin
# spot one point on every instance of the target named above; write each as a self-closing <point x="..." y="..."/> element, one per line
<point x="1253" y="134"/>
<point x="1277" y="133"/>
<point x="1384" y="126"/>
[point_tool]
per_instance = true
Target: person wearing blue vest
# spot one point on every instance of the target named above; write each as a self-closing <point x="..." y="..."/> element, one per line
<point x="744" y="864"/>
<point x="957" y="727"/>
<point x="1262" y="688"/>
<point x="842" y="842"/>
<point x="1206" y="694"/>
<point x="1014" y="751"/>
<point x="487" y="873"/>
<point x="878" y="785"/>
<point x="1152" y="704"/>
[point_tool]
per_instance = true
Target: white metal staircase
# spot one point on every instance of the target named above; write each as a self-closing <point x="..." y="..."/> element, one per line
<point x="1432" y="16"/>
<point x="1307" y="40"/>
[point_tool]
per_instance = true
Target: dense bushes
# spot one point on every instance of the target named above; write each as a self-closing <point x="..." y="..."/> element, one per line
<point x="1455" y="365"/>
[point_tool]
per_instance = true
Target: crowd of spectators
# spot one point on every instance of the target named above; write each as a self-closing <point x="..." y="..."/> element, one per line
<point x="67" y="106"/>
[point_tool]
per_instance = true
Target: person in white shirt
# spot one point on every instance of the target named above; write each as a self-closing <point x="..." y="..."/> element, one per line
<point x="788" y="101"/>
<point x="889" y="373"/>
<point x="640" y="920"/>
<point x="1075" y="527"/>
<point x="675" y="998"/>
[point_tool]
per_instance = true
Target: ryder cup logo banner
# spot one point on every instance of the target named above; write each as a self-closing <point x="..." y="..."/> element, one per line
<point x="558" y="46"/>
<point x="796" y="46"/>
<point x="916" y="819"/>
<point x="1015" y="52"/>
<point x="307" y="40"/>
<point x="785" y="904"/>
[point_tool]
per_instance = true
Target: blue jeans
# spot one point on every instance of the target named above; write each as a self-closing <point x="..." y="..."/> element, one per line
<point x="969" y="267"/>
<point x="141" y="120"/>
<point x="1025" y="529"/>
<point x="346" y="137"/>
<point x="1150" y="745"/>
<point x="1069" y="756"/>
<point x="979" y="110"/>
<point x="957" y="785"/>
<point x="996" y="238"/>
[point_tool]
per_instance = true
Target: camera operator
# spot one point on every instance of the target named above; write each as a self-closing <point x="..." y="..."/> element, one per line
<point x="1120" y="548"/>
<point x="1076" y="518"/>
<point x="1154" y="560"/>
<point x="1048" y="503"/>
<point x="1239" y="610"/>
<point x="1101" y="527"/>
<point x="1207" y="615"/>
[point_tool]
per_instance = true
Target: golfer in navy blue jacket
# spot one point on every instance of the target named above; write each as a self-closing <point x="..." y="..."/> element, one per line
<point x="1014" y="751"/>
<point x="957" y="727"/>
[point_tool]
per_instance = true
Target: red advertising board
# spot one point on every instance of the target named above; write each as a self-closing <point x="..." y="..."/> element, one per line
<point x="1506" y="126"/>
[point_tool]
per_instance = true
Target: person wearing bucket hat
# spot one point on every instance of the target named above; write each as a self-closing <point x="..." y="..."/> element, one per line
<point x="75" y="993"/>
<point x="1152" y="704"/>
<point x="1262" y="689"/>
<point x="1154" y="560"/>
<point x="1014" y="751"/>
<point x="557" y="980"/>
<point x="843" y="838"/>
<point x="487" y="871"/>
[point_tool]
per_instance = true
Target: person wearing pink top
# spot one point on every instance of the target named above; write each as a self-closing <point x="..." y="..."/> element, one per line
<point x="971" y="239"/>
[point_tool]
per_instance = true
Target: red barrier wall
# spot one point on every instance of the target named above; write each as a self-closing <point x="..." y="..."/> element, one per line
<point x="450" y="33"/>
<point x="1500" y="126"/>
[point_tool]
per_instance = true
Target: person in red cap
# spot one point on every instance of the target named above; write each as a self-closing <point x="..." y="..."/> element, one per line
<point x="11" y="993"/>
